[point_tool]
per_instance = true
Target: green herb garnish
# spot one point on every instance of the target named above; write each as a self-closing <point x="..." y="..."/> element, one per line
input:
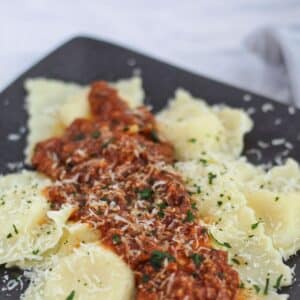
<point x="79" y="137"/>
<point x="203" y="161"/>
<point x="71" y="296"/>
<point x="162" y="205"/>
<point x="266" y="289"/>
<point x="189" y="216"/>
<point x="161" y="214"/>
<point x="145" y="278"/>
<point x="194" y="205"/>
<point x="224" y="244"/>
<point x="145" y="193"/>
<point x="257" y="288"/>
<point x="95" y="134"/>
<point x="278" y="281"/>
<point x="116" y="239"/>
<point x="211" y="177"/>
<point x="15" y="229"/>
<point x="254" y="226"/>
<point x="192" y="140"/>
<point x="157" y="258"/>
<point x="197" y="259"/>
<point x="236" y="261"/>
<point x="198" y="188"/>
<point x="154" y="136"/>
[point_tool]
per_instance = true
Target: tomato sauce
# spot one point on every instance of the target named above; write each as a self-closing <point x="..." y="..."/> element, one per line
<point x="117" y="171"/>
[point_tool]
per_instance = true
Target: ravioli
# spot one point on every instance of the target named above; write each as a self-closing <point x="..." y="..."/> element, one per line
<point x="275" y="197"/>
<point x="76" y="234"/>
<point x="53" y="104"/>
<point x="88" y="272"/>
<point x="249" y="212"/>
<point x="194" y="128"/>
<point x="234" y="226"/>
<point x="28" y="228"/>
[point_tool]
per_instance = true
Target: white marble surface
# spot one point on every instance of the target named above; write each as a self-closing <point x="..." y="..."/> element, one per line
<point x="205" y="36"/>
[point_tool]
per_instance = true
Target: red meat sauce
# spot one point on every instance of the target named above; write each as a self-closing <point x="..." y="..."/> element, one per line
<point x="117" y="172"/>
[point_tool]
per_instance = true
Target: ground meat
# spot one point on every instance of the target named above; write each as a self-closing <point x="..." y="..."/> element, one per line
<point x="118" y="173"/>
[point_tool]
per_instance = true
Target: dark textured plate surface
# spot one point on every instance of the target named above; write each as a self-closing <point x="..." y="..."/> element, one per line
<point x="83" y="60"/>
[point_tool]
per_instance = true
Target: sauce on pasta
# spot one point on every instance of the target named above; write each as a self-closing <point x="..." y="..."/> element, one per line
<point x="118" y="173"/>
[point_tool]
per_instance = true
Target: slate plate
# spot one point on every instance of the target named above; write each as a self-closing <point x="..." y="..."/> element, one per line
<point x="83" y="60"/>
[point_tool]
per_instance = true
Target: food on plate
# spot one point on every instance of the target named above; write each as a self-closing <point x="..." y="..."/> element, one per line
<point x="124" y="205"/>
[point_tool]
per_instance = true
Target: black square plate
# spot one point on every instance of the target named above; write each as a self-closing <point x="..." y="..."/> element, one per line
<point x="83" y="60"/>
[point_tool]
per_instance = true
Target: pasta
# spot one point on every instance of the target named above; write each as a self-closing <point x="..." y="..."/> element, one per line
<point x="52" y="105"/>
<point x="28" y="228"/>
<point x="89" y="272"/>
<point x="249" y="212"/>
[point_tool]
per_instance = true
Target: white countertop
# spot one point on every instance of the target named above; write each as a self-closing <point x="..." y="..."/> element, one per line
<point x="204" y="36"/>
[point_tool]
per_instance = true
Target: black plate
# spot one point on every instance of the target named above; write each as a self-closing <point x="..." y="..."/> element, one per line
<point x="83" y="60"/>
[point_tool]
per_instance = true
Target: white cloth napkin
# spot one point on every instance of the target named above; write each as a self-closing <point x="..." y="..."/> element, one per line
<point x="279" y="48"/>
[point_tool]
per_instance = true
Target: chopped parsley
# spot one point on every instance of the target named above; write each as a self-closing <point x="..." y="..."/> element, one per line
<point x="116" y="239"/>
<point x="9" y="236"/>
<point x="242" y="285"/>
<point x="224" y="244"/>
<point x="198" y="188"/>
<point x="161" y="207"/>
<point x="79" y="137"/>
<point x="192" y="140"/>
<point x="15" y="229"/>
<point x="157" y="258"/>
<point x="194" y="205"/>
<point x="276" y="198"/>
<point x="145" y="194"/>
<point x="220" y="203"/>
<point x="154" y="136"/>
<point x="145" y="278"/>
<point x="203" y="161"/>
<point x="189" y="216"/>
<point x="197" y="259"/>
<point x="95" y="134"/>
<point x="161" y="214"/>
<point x="254" y="226"/>
<point x="257" y="288"/>
<point x="278" y="282"/>
<point x="204" y="230"/>
<point x="35" y="252"/>
<point x="211" y="177"/>
<point x="236" y="261"/>
<point x="71" y="296"/>
<point x="266" y="289"/>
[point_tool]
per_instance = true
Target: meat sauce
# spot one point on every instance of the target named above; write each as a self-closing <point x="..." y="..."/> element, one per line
<point x="117" y="172"/>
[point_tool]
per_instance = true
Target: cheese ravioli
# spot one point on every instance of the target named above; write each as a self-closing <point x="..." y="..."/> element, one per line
<point x="88" y="272"/>
<point x="28" y="228"/>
